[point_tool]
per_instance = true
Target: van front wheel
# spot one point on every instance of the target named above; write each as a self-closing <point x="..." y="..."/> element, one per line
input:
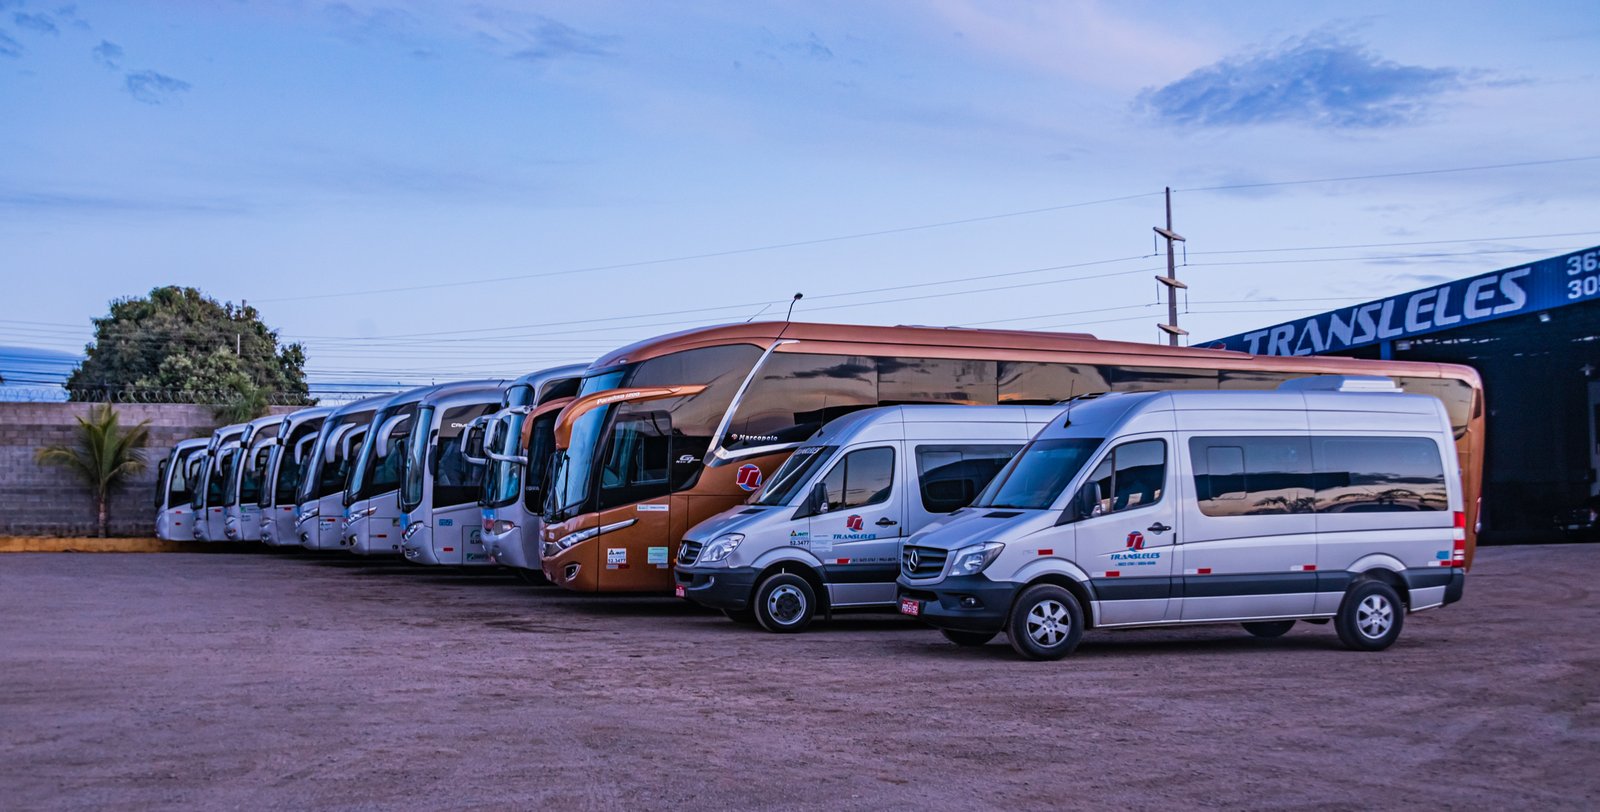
<point x="785" y="603"/>
<point x="1046" y="623"/>
<point x="1370" y="617"/>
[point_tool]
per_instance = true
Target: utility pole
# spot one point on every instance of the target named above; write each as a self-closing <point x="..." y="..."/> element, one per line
<point x="1171" y="282"/>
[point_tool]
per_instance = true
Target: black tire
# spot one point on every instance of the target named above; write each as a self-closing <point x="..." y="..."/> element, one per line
<point x="1370" y="616"/>
<point x="1046" y="623"/>
<point x="961" y="638"/>
<point x="746" y="616"/>
<point x="785" y="603"/>
<point x="1269" y="629"/>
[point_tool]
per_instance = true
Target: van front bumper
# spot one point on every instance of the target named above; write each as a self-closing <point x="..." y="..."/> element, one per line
<point x="720" y="588"/>
<point x="967" y="603"/>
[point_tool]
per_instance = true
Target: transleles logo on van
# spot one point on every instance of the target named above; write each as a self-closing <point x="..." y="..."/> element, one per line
<point x="1136" y="540"/>
<point x="853" y="523"/>
<point x="748" y="477"/>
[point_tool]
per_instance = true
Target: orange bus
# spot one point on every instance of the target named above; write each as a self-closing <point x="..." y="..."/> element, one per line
<point x="668" y="432"/>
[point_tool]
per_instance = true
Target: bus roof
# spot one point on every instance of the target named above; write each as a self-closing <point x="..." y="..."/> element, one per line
<point x="762" y="334"/>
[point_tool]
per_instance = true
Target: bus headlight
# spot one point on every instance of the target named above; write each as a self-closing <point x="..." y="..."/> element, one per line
<point x="584" y="535"/>
<point x="720" y="548"/>
<point x="972" y="560"/>
<point x="502" y="527"/>
<point x="411" y="530"/>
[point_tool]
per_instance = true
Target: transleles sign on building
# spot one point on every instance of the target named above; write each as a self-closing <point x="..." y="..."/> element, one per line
<point x="1543" y="285"/>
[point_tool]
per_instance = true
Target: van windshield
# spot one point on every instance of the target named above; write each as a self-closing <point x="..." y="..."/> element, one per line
<point x="1037" y="476"/>
<point x="794" y="474"/>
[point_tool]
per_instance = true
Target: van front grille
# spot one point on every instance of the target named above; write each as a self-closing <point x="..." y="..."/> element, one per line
<point x="922" y="562"/>
<point x="689" y="552"/>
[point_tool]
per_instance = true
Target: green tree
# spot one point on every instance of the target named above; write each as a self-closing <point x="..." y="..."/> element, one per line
<point x="103" y="455"/>
<point x="178" y="344"/>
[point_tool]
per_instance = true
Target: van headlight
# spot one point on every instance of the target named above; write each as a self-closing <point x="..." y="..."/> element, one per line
<point x="972" y="560"/>
<point x="720" y="548"/>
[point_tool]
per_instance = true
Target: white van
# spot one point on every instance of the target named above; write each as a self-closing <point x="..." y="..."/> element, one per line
<point x="1331" y="498"/>
<point x="825" y="532"/>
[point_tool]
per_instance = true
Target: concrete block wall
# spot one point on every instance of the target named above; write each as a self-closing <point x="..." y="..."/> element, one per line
<point x="50" y="501"/>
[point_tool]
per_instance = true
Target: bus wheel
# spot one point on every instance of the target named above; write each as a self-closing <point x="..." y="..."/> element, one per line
<point x="1370" y="617"/>
<point x="746" y="616"/>
<point x="1269" y="629"/>
<point x="785" y="603"/>
<point x="961" y="638"/>
<point x="1046" y="623"/>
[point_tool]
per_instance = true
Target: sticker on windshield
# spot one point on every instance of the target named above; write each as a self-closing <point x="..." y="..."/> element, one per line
<point x="656" y="556"/>
<point x="749" y="477"/>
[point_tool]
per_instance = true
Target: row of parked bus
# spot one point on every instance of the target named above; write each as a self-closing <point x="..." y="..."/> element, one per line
<point x="986" y="481"/>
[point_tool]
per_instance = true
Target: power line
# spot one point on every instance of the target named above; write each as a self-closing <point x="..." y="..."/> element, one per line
<point x="1407" y="174"/>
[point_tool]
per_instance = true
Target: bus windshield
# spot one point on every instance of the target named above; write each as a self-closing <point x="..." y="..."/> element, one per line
<point x="503" y="479"/>
<point x="290" y="458"/>
<point x="1038" y="474"/>
<point x="794" y="473"/>
<point x="255" y="467"/>
<point x="377" y="468"/>
<point x="412" y="465"/>
<point x="322" y="476"/>
<point x="649" y="448"/>
<point x="230" y="483"/>
<point x="178" y="486"/>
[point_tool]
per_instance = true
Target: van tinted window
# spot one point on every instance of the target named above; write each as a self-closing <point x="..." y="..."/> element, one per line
<point x="1252" y="476"/>
<point x="1258" y="476"/>
<point x="1133" y="475"/>
<point x="951" y="476"/>
<point x="863" y="477"/>
<point x="1378" y="475"/>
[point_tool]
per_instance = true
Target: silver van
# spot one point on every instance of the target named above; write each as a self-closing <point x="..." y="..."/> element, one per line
<point x="1331" y="499"/>
<point x="825" y="532"/>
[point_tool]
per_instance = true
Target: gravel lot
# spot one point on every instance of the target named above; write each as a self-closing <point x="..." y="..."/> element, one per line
<point x="269" y="680"/>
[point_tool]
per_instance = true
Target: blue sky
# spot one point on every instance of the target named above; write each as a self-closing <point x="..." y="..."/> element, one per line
<point x="535" y="183"/>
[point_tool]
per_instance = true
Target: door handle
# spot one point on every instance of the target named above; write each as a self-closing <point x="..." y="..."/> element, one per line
<point x="1158" y="527"/>
<point x="886" y="522"/>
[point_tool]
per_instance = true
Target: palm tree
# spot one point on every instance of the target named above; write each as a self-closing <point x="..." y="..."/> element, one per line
<point x="104" y="455"/>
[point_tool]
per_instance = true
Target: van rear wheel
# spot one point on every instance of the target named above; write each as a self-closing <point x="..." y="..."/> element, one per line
<point x="785" y="603"/>
<point x="961" y="638"/>
<point x="1046" y="623"/>
<point x="1370" y="617"/>
<point x="1269" y="629"/>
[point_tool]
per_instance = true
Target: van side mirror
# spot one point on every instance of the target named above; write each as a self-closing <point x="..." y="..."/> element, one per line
<point x="1083" y="503"/>
<point x="816" y="500"/>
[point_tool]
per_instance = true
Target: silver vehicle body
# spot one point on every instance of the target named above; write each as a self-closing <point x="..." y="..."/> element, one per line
<point x="319" y="517"/>
<point x="924" y="462"/>
<point x="286" y="458"/>
<point x="440" y="486"/>
<point x="174" y="515"/>
<point x="241" y="508"/>
<point x="210" y="506"/>
<point x="1225" y="507"/>
<point x="513" y="480"/>
<point x="372" y="495"/>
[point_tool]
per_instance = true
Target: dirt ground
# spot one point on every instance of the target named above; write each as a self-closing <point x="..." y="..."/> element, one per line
<point x="284" y="681"/>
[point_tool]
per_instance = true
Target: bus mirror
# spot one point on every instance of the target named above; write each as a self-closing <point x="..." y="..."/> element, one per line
<point x="387" y="431"/>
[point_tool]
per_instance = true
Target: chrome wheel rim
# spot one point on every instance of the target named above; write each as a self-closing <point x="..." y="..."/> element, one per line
<point x="1048" y="622"/>
<point x="1374" y="617"/>
<point x="786" y="605"/>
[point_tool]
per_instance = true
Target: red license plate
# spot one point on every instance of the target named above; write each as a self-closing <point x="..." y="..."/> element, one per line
<point x="677" y="590"/>
<point x="910" y="606"/>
